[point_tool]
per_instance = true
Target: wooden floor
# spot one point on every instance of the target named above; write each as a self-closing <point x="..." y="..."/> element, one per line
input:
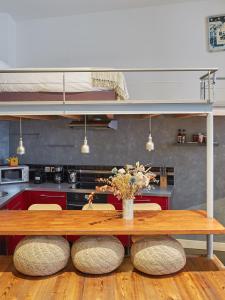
<point x="201" y="279"/>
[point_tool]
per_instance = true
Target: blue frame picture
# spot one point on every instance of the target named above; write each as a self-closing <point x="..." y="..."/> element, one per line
<point x="216" y="27"/>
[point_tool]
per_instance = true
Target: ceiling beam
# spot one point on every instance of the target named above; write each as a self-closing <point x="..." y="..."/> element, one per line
<point x="187" y="116"/>
<point x="137" y="117"/>
<point x="9" y="118"/>
<point x="73" y="117"/>
<point x="34" y="117"/>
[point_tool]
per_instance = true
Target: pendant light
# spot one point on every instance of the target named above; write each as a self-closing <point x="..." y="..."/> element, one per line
<point x="150" y="145"/>
<point x="20" y="149"/>
<point x="85" y="149"/>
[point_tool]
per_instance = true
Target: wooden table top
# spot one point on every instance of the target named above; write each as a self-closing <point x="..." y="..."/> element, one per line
<point x="72" y="222"/>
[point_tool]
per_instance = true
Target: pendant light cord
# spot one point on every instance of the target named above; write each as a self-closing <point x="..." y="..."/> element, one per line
<point x="20" y="127"/>
<point x="85" y="125"/>
<point x="150" y="123"/>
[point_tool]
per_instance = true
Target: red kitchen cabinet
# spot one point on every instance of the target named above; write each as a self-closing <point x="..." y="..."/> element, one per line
<point x="18" y="202"/>
<point x="162" y="201"/>
<point x="23" y="200"/>
<point x="45" y="197"/>
<point x="115" y="201"/>
<point x="3" y="248"/>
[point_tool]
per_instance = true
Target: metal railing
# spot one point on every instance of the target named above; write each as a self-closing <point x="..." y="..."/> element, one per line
<point x="207" y="80"/>
<point x="66" y="70"/>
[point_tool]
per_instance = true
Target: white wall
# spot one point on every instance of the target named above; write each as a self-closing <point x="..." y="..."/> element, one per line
<point x="158" y="36"/>
<point x="155" y="36"/>
<point x="8" y="39"/>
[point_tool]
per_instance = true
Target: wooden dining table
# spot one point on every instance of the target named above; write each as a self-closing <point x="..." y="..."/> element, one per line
<point x="72" y="222"/>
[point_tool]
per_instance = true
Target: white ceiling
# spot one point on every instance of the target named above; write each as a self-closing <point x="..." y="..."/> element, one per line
<point x="20" y="9"/>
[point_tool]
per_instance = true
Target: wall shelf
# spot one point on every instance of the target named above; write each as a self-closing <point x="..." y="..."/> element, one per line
<point x="193" y="144"/>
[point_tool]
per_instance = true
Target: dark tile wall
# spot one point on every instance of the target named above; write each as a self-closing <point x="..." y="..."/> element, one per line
<point x="52" y="142"/>
<point x="4" y="141"/>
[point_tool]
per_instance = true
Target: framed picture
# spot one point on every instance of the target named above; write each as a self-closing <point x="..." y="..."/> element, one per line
<point x="216" y="28"/>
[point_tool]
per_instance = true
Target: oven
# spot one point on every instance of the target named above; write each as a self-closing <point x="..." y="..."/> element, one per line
<point x="75" y="201"/>
<point x="86" y="181"/>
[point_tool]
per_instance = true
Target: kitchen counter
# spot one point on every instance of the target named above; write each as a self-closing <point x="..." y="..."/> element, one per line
<point x="13" y="189"/>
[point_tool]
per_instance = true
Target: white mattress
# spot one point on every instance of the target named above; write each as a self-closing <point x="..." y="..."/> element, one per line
<point x="47" y="82"/>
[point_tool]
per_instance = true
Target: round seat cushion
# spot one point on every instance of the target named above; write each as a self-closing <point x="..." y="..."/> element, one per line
<point x="97" y="254"/>
<point x="41" y="255"/>
<point x="158" y="255"/>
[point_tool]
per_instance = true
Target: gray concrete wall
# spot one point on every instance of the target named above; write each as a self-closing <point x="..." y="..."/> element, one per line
<point x="4" y="141"/>
<point x="52" y="142"/>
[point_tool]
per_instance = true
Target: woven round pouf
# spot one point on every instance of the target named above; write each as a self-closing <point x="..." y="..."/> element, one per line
<point x="97" y="254"/>
<point x="158" y="255"/>
<point x="41" y="255"/>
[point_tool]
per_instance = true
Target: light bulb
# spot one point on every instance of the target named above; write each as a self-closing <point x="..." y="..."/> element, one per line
<point x="20" y="149"/>
<point x="85" y="149"/>
<point x="149" y="145"/>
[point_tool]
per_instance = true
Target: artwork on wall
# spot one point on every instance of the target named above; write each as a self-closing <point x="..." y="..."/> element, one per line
<point x="216" y="29"/>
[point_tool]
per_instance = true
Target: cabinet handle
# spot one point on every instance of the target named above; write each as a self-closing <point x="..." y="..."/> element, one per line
<point x="143" y="200"/>
<point x="51" y="196"/>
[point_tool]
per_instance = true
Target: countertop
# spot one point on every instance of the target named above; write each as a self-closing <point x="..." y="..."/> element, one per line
<point x="13" y="189"/>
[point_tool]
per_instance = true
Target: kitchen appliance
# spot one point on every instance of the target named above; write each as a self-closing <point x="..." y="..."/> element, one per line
<point x="75" y="201"/>
<point x="95" y="122"/>
<point x="72" y="178"/>
<point x="58" y="175"/>
<point x="14" y="174"/>
<point x="39" y="177"/>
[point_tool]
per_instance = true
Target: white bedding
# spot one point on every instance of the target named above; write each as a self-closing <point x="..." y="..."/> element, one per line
<point x="47" y="82"/>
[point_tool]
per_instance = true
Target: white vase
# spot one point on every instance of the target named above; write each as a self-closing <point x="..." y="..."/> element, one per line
<point x="128" y="209"/>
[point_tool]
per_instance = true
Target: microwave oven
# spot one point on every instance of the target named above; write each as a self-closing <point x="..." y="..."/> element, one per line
<point x="14" y="174"/>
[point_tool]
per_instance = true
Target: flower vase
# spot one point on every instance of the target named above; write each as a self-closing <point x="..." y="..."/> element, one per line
<point x="128" y="209"/>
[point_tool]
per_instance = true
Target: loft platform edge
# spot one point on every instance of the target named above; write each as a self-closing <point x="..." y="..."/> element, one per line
<point x="105" y="108"/>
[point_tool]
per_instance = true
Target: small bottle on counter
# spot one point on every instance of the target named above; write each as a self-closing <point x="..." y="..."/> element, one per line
<point x="184" y="136"/>
<point x="200" y="138"/>
<point x="179" y="136"/>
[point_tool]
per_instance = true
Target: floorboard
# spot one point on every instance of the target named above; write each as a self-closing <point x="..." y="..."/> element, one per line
<point x="200" y="279"/>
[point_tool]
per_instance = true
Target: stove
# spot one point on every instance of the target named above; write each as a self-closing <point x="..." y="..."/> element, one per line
<point x="84" y="185"/>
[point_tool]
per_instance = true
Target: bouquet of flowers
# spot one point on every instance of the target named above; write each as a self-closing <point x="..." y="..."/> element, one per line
<point x="126" y="182"/>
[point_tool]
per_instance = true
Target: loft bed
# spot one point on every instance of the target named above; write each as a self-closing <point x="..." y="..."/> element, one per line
<point x="57" y="86"/>
<point x="66" y="107"/>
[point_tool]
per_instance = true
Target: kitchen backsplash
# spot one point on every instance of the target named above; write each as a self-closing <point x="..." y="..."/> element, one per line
<point x="33" y="168"/>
